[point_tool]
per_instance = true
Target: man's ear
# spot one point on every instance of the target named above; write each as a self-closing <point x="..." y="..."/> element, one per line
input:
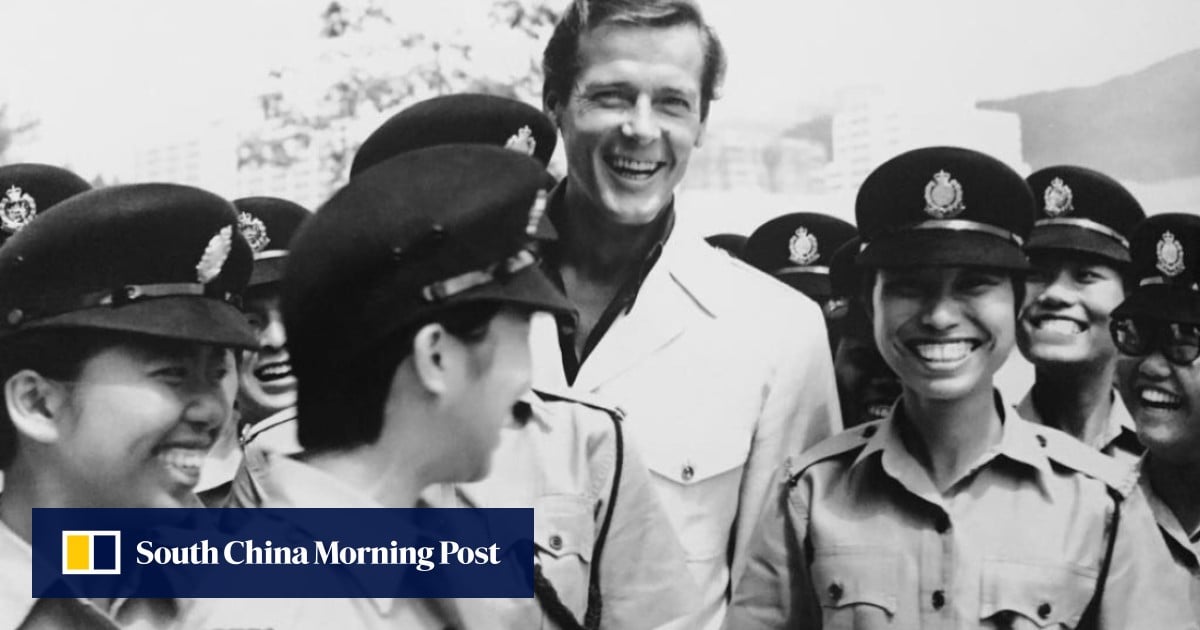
<point x="429" y="358"/>
<point x="34" y="405"/>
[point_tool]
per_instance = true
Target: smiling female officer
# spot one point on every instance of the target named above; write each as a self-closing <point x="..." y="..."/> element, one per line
<point x="1079" y="250"/>
<point x="906" y="522"/>
<point x="1157" y="330"/>
<point x="115" y="355"/>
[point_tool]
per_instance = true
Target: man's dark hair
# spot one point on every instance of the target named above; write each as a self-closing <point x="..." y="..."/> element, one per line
<point x="343" y="407"/>
<point x="560" y="60"/>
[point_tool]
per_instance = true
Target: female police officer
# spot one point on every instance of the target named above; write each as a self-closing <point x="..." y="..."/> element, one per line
<point x="1157" y="330"/>
<point x="1079" y="250"/>
<point x="115" y="355"/>
<point x="905" y="522"/>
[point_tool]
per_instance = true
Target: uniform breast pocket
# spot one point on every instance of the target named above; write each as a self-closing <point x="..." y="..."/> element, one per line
<point x="1018" y="594"/>
<point x="564" y="534"/>
<point x="856" y="586"/>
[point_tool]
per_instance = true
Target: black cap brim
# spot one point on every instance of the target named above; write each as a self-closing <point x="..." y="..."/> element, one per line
<point x="1068" y="238"/>
<point x="1163" y="303"/>
<point x="529" y="287"/>
<point x="268" y="269"/>
<point x="185" y="318"/>
<point x="943" y="248"/>
<point x="814" y="285"/>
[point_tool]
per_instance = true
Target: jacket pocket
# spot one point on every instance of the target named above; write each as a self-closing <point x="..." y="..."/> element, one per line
<point x="1030" y="594"/>
<point x="564" y="535"/>
<point x="856" y="586"/>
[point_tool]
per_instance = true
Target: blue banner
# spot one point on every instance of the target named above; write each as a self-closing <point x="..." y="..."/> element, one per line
<point x="188" y="553"/>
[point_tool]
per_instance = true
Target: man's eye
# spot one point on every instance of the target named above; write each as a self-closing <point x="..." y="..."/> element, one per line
<point x="171" y="373"/>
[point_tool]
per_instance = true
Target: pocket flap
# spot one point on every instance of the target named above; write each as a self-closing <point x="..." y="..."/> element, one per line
<point x="563" y="525"/>
<point x="850" y="576"/>
<point x="1045" y="594"/>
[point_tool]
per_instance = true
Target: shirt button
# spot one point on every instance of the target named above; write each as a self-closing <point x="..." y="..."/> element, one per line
<point x="1044" y="610"/>
<point x="939" y="599"/>
<point x="835" y="591"/>
<point x="942" y="524"/>
<point x="556" y="542"/>
<point x="1041" y="441"/>
<point x="688" y="472"/>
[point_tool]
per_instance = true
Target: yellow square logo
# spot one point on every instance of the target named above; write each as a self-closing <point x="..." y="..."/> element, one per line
<point x="91" y="552"/>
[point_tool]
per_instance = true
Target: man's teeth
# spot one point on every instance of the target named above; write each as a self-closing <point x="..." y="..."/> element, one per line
<point x="1159" y="397"/>
<point x="273" y="371"/>
<point x="631" y="167"/>
<point x="947" y="352"/>
<point x="879" y="411"/>
<point x="187" y="459"/>
<point x="1063" y="326"/>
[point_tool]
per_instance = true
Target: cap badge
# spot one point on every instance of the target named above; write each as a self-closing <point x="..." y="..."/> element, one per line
<point x="1058" y="198"/>
<point x="215" y="254"/>
<point x="535" y="213"/>
<point x="1170" y="255"/>
<point x="17" y="209"/>
<point x="802" y="248"/>
<point x="943" y="196"/>
<point x="522" y="141"/>
<point x="254" y="231"/>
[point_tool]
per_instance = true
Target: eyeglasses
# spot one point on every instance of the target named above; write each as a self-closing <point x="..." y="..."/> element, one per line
<point x="1139" y="336"/>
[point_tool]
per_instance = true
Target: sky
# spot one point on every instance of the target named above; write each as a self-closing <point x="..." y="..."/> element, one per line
<point x="101" y="76"/>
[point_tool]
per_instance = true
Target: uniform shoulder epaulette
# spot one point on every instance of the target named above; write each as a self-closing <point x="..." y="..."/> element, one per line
<point x="251" y="431"/>
<point x="848" y="441"/>
<point x="550" y="396"/>
<point x="1071" y="453"/>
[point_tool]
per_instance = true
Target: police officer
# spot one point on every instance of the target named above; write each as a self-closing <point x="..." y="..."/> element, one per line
<point x="906" y="522"/>
<point x="119" y="321"/>
<point x="604" y="550"/>
<point x="797" y="249"/>
<point x="1157" y="331"/>
<point x="266" y="401"/>
<point x="867" y="387"/>
<point x="1079" y="249"/>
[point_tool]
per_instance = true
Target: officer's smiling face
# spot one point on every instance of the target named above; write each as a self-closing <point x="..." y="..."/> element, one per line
<point x="1164" y="400"/>
<point x="944" y="330"/>
<point x="267" y="383"/>
<point x="632" y="119"/>
<point x="1066" y="314"/>
<point x="135" y="427"/>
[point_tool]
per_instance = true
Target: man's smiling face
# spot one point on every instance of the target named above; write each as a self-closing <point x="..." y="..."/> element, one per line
<point x="632" y="118"/>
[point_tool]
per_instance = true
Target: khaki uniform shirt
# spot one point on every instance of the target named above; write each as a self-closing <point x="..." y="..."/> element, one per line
<point x="19" y="610"/>
<point x="1183" y="547"/>
<point x="722" y="372"/>
<point x="272" y="480"/>
<point x="859" y="538"/>
<point x="1119" y="438"/>
<point x="563" y="463"/>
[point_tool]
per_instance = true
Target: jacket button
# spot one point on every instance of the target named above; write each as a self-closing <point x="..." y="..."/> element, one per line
<point x="688" y="472"/>
<point x="556" y="542"/>
<point x="1041" y="441"/>
<point x="938" y="600"/>
<point x="835" y="591"/>
<point x="1044" y="610"/>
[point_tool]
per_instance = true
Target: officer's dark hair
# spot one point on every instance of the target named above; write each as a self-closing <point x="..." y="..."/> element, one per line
<point x="342" y="408"/>
<point x="560" y="60"/>
<point x="57" y="354"/>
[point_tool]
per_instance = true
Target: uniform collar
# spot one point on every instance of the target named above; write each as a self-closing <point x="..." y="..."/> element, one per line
<point x="1018" y="442"/>
<point x="285" y="482"/>
<point x="1117" y="431"/>
<point x="1171" y="528"/>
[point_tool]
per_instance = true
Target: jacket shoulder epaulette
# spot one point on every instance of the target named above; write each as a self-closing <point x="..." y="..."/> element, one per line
<point x="551" y="396"/>
<point x="848" y="441"/>
<point x="1069" y="452"/>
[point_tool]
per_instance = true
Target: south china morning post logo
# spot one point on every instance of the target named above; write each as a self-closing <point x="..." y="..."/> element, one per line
<point x="91" y="552"/>
<point x="298" y="552"/>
